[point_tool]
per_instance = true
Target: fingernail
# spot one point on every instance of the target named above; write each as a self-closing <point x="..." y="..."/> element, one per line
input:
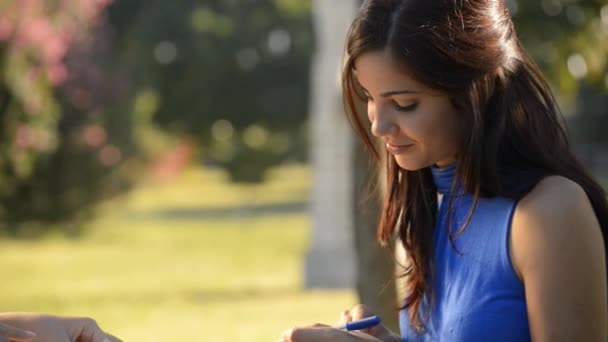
<point x="30" y="333"/>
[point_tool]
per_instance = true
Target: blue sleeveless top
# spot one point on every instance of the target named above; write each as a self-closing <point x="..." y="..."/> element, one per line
<point x="477" y="295"/>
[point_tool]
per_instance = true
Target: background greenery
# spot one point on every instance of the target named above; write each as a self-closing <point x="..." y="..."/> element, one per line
<point x="92" y="92"/>
<point x="136" y="140"/>
<point x="191" y="260"/>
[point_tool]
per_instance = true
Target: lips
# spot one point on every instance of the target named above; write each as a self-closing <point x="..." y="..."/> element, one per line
<point x="398" y="149"/>
<point x="398" y="145"/>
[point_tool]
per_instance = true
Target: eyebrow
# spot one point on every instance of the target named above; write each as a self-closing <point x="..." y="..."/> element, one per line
<point x="394" y="92"/>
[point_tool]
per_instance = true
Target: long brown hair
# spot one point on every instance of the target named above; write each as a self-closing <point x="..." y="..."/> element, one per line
<point x="469" y="50"/>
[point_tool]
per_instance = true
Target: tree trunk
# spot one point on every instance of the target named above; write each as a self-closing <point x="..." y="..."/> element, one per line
<point x="375" y="265"/>
<point x="330" y="262"/>
<point x="342" y="220"/>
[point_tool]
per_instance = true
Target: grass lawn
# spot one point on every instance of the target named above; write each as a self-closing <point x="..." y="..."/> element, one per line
<point x="197" y="259"/>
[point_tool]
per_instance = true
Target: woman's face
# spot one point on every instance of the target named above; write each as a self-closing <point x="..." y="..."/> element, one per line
<point x="419" y="127"/>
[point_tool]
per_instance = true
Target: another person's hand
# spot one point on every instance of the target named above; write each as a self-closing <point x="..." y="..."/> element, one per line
<point x="10" y="333"/>
<point x="50" y="328"/>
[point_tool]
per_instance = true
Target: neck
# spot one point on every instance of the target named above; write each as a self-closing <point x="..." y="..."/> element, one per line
<point x="444" y="177"/>
<point x="445" y="162"/>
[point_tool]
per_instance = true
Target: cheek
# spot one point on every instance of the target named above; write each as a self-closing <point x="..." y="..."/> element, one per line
<point x="421" y="127"/>
<point x="446" y="137"/>
<point x="432" y="132"/>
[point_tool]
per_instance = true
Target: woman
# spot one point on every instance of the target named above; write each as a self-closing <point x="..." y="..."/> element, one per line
<point x="504" y="229"/>
<point x="34" y="327"/>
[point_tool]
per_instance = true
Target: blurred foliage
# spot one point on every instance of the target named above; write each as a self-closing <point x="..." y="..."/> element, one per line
<point x="62" y="139"/>
<point x="569" y="40"/>
<point x="86" y="85"/>
<point x="231" y="73"/>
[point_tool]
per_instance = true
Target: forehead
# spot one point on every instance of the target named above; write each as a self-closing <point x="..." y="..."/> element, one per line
<point x="379" y="70"/>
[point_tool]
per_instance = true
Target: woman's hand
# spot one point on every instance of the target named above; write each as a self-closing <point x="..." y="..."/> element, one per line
<point x="324" y="333"/>
<point x="49" y="328"/>
<point x="9" y="333"/>
<point x="379" y="331"/>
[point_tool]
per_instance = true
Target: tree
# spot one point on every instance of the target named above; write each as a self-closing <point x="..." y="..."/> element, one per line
<point x="376" y="269"/>
<point x="569" y="41"/>
<point x="57" y="157"/>
<point x="230" y="74"/>
<point x="344" y="213"/>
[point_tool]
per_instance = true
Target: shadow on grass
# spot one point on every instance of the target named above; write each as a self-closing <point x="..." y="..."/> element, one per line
<point x="230" y="295"/>
<point x="242" y="211"/>
<point x="159" y="297"/>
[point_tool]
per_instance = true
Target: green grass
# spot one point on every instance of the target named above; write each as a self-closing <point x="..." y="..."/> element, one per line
<point x="196" y="260"/>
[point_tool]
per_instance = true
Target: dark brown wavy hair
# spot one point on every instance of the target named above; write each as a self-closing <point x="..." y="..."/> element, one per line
<point x="469" y="50"/>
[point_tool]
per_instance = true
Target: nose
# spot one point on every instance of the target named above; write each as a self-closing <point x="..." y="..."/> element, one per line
<point x="383" y="126"/>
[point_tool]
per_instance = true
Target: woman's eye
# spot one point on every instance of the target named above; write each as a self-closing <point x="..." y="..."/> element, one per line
<point x="407" y="108"/>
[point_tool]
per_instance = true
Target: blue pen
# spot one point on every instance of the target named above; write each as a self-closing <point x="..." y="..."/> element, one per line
<point x="361" y="324"/>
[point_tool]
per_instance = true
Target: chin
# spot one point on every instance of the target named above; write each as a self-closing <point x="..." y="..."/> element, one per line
<point x="410" y="164"/>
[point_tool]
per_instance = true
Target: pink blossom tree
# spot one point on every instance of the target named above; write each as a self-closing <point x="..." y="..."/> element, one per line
<point x="52" y="102"/>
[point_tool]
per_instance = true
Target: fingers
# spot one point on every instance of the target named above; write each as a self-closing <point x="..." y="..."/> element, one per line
<point x="10" y="333"/>
<point x="358" y="312"/>
<point x="325" y="334"/>
<point x="111" y="338"/>
<point x="345" y="317"/>
<point x="317" y="333"/>
<point x="87" y="330"/>
<point x="361" y="311"/>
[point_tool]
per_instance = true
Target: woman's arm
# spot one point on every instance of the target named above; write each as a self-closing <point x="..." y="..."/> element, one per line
<point x="557" y="250"/>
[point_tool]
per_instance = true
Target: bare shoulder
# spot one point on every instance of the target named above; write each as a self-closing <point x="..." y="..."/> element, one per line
<point x="557" y="250"/>
<point x="554" y="195"/>
<point x="555" y="214"/>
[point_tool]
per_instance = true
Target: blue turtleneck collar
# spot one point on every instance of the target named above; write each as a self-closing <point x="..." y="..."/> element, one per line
<point x="443" y="177"/>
